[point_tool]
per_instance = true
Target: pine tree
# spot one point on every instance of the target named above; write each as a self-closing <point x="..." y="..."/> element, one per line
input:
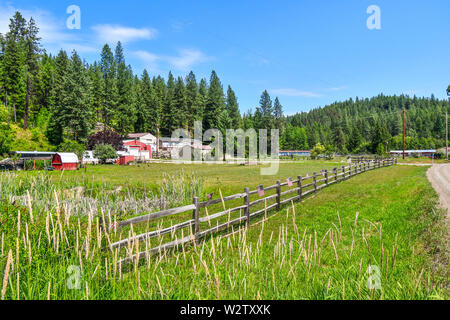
<point x="215" y="103"/>
<point x="160" y="91"/>
<point x="125" y="115"/>
<point x="278" y="114"/>
<point x="266" y="110"/>
<point x="44" y="83"/>
<point x="339" y="139"/>
<point x="355" y="140"/>
<point x="147" y="112"/>
<point x="167" y="120"/>
<point x="179" y="107"/>
<point x="97" y="90"/>
<point x="14" y="64"/>
<point x="380" y="136"/>
<point x="54" y="131"/>
<point x="233" y="109"/>
<point x="76" y="111"/>
<point x="32" y="52"/>
<point x="2" y="75"/>
<point x="202" y="98"/>
<point x="192" y="99"/>
<point x="110" y="93"/>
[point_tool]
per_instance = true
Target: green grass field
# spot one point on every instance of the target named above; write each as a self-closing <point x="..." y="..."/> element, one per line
<point x="230" y="178"/>
<point x="317" y="249"/>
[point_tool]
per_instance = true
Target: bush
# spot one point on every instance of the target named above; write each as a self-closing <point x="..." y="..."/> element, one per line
<point x="104" y="152"/>
<point x="318" y="150"/>
<point x="5" y="138"/>
<point x="106" y="137"/>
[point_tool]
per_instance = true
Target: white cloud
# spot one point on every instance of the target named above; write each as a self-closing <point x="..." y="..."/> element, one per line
<point x="337" y="88"/>
<point x="187" y="58"/>
<point x="294" y="93"/>
<point x="184" y="61"/>
<point x="150" y="59"/>
<point x="52" y="31"/>
<point x="179" y="26"/>
<point x="114" y="33"/>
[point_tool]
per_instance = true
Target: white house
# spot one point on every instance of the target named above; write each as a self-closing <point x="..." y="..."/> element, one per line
<point x="168" y="144"/>
<point x="145" y="138"/>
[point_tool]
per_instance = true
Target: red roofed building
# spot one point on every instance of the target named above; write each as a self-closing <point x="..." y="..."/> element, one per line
<point x="65" y="161"/>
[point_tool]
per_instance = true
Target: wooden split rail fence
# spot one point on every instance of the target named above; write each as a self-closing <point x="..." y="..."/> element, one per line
<point x="300" y="187"/>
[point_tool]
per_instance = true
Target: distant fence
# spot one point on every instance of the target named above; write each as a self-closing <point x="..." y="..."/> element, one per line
<point x="301" y="187"/>
<point x="365" y="158"/>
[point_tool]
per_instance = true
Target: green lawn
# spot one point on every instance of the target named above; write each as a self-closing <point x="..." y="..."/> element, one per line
<point x="321" y="252"/>
<point x="230" y="178"/>
<point x="421" y="160"/>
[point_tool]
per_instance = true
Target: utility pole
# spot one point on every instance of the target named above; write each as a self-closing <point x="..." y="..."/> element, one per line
<point x="404" y="132"/>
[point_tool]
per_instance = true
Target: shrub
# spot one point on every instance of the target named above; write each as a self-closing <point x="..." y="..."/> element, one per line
<point x="104" y="152"/>
<point x="318" y="150"/>
<point x="5" y="138"/>
<point x="104" y="137"/>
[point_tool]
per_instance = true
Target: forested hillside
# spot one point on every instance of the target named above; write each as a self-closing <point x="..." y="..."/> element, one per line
<point x="362" y="125"/>
<point x="58" y="102"/>
<point x="64" y="99"/>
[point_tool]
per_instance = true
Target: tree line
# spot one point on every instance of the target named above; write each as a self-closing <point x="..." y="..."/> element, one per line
<point x="372" y="125"/>
<point x="71" y="99"/>
<point x="74" y="102"/>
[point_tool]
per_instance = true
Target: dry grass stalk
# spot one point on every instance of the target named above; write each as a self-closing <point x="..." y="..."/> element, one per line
<point x="5" y="278"/>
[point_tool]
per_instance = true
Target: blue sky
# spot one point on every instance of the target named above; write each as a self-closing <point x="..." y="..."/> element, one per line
<point x="309" y="53"/>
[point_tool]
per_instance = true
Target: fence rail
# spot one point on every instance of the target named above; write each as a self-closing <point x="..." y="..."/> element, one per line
<point x="315" y="182"/>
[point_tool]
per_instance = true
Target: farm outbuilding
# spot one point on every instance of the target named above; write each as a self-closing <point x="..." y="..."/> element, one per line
<point x="125" y="159"/>
<point x="65" y="161"/>
<point x="412" y="153"/>
<point x="290" y="153"/>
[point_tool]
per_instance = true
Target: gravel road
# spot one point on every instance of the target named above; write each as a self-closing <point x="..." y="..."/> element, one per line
<point x="439" y="176"/>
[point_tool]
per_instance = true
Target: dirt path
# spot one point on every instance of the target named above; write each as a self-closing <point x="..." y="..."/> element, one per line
<point x="439" y="176"/>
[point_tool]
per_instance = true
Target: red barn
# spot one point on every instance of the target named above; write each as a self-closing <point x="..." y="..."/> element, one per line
<point x="65" y="161"/>
<point x="136" y="147"/>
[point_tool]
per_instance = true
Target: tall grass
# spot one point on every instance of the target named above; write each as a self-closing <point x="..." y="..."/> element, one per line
<point x="319" y="249"/>
<point x="83" y="196"/>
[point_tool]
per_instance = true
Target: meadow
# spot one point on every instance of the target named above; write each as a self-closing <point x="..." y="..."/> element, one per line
<point x="54" y="246"/>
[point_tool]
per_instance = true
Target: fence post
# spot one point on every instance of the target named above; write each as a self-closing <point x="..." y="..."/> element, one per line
<point x="196" y="220"/>
<point x="247" y="206"/>
<point x="343" y="171"/>
<point x="300" y="191"/>
<point x="326" y="177"/>
<point x="335" y="174"/>
<point x="315" y="182"/>
<point x="278" y="195"/>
